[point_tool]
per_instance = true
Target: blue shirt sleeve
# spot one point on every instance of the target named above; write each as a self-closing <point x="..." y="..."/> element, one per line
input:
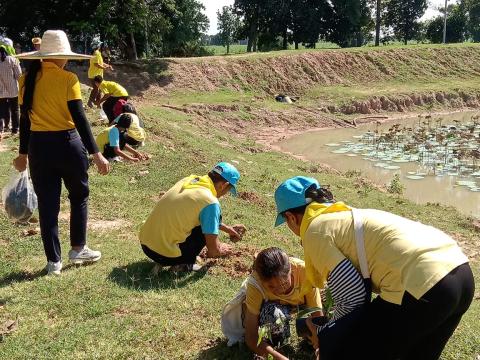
<point x="114" y="137"/>
<point x="210" y="219"/>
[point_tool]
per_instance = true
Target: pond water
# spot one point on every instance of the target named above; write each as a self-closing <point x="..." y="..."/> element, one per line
<point x="452" y="182"/>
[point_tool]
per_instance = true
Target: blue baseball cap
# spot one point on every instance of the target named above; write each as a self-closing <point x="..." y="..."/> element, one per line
<point x="229" y="173"/>
<point x="291" y="194"/>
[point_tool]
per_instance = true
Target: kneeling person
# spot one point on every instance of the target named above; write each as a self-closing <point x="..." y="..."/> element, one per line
<point x="285" y="288"/>
<point x="111" y="141"/>
<point x="188" y="217"/>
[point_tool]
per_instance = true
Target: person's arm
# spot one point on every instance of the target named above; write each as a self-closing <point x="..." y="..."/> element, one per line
<point x="136" y="154"/>
<point x="80" y="120"/>
<point x="104" y="97"/>
<point x="209" y="218"/>
<point x="103" y="66"/>
<point x="314" y="300"/>
<point x="17" y="70"/>
<point x="251" y="338"/>
<point x="124" y="155"/>
<point x="21" y="161"/>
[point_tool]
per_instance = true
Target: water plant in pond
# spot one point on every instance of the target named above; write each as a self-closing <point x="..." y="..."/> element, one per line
<point x="439" y="149"/>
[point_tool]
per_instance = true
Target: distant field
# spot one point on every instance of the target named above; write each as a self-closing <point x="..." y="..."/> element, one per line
<point x="240" y="49"/>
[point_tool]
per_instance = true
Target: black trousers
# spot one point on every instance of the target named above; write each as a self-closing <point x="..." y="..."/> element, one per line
<point x="109" y="151"/>
<point x="416" y="329"/>
<point x="55" y="156"/>
<point x="108" y="105"/>
<point x="190" y="249"/>
<point x="9" y="111"/>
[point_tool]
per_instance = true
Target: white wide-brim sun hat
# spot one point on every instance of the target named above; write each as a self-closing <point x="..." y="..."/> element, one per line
<point x="55" y="45"/>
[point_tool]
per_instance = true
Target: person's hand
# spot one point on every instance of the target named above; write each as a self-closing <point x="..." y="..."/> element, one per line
<point x="134" y="159"/>
<point x="102" y="164"/>
<point x="20" y="162"/>
<point x="222" y="250"/>
<point x="236" y="232"/>
<point x="313" y="331"/>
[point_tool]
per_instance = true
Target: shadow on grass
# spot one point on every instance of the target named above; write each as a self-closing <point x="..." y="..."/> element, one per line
<point x="139" y="276"/>
<point x="20" y="276"/>
<point x="218" y="350"/>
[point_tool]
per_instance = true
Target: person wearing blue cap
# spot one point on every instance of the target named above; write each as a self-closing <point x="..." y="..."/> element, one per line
<point x="188" y="217"/>
<point x="423" y="280"/>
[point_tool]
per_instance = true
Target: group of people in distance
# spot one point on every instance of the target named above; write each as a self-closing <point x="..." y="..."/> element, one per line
<point x="422" y="281"/>
<point x="125" y="131"/>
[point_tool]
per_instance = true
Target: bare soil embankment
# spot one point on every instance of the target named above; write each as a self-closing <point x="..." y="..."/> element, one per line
<point x="450" y="71"/>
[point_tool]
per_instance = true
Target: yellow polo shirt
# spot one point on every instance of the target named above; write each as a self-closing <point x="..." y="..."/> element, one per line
<point x="303" y="292"/>
<point x="176" y="214"/>
<point x="402" y="255"/>
<point x="53" y="88"/>
<point x="93" y="70"/>
<point x="112" y="88"/>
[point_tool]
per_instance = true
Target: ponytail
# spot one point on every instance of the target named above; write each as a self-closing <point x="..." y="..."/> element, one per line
<point x="320" y="195"/>
<point x="30" y="80"/>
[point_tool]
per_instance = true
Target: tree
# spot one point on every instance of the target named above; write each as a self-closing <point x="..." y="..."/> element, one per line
<point x="228" y="26"/>
<point x="403" y="16"/>
<point x="456" y="26"/>
<point x="349" y="18"/>
<point x="251" y="10"/>
<point x="472" y="9"/>
<point x="310" y="21"/>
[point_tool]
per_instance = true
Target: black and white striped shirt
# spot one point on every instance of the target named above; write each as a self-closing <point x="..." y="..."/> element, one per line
<point x="348" y="290"/>
<point x="10" y="72"/>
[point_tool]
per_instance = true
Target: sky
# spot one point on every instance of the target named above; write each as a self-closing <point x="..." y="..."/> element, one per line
<point x="213" y="5"/>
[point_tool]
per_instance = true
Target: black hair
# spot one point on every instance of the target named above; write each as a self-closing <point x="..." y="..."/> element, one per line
<point x="30" y="80"/>
<point x="216" y="177"/>
<point x="272" y="262"/>
<point x="124" y="121"/>
<point x="129" y="108"/>
<point x="3" y="53"/>
<point x="98" y="78"/>
<point x="317" y="194"/>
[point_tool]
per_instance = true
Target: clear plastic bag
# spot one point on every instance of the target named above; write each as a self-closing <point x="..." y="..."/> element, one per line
<point x="102" y="114"/>
<point x="19" y="198"/>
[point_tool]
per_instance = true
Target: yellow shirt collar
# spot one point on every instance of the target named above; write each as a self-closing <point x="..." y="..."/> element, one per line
<point x="50" y="65"/>
<point x="195" y="181"/>
<point x="315" y="209"/>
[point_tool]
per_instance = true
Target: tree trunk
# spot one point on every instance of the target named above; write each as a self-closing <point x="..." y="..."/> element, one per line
<point x="285" y="39"/>
<point x="133" y="47"/>
<point x="228" y="48"/>
<point x="378" y="23"/>
<point x="296" y="45"/>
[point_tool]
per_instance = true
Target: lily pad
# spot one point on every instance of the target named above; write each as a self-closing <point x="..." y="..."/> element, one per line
<point x="415" y="177"/>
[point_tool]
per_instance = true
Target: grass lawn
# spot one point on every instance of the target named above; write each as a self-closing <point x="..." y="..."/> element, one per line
<point x="116" y="309"/>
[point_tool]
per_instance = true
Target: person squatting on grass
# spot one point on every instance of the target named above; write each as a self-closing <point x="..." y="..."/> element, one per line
<point x="423" y="280"/>
<point x="135" y="136"/>
<point x="188" y="217"/>
<point x="54" y="138"/>
<point x="285" y="288"/>
<point x="96" y="69"/>
<point x="112" y="142"/>
<point x="112" y="92"/>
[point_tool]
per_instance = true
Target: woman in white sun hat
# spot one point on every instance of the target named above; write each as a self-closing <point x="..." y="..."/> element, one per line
<point x="54" y="139"/>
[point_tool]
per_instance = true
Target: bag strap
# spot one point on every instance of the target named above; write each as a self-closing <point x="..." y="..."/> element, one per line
<point x="251" y="280"/>
<point x="360" y="243"/>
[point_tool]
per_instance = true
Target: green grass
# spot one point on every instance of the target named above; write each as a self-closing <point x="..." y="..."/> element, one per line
<point x="116" y="309"/>
<point x="242" y="49"/>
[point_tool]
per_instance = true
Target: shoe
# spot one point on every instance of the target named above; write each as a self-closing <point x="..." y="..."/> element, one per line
<point x="54" y="268"/>
<point x="86" y="255"/>
<point x="185" y="268"/>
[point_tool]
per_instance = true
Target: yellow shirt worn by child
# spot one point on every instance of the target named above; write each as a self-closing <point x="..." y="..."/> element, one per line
<point x="113" y="89"/>
<point x="303" y="292"/>
<point x="93" y="70"/>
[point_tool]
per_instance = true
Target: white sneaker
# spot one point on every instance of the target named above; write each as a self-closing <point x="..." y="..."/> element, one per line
<point x="185" y="268"/>
<point x="54" y="268"/>
<point x="86" y="255"/>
